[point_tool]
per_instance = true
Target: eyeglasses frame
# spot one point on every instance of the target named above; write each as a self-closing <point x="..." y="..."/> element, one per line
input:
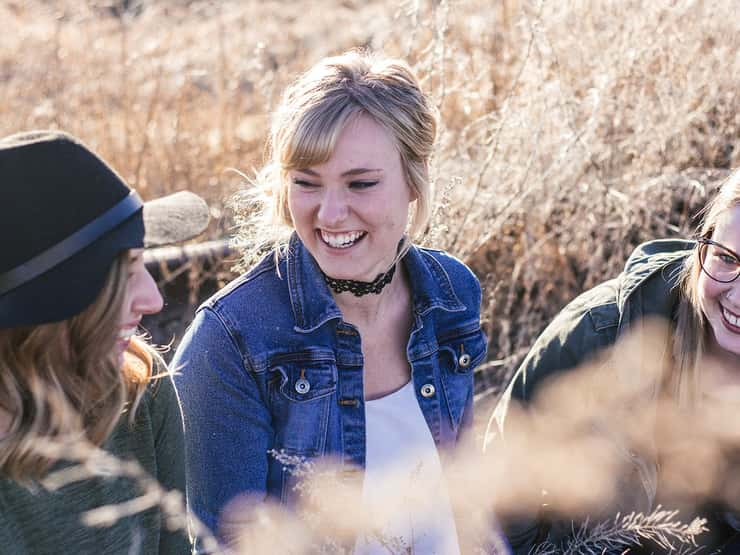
<point x="704" y="241"/>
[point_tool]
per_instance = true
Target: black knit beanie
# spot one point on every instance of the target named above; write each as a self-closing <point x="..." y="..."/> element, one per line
<point x="65" y="216"/>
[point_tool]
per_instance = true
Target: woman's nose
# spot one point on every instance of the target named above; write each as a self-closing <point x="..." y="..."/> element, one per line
<point x="147" y="298"/>
<point x="333" y="209"/>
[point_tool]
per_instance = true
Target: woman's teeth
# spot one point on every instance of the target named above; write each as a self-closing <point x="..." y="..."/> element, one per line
<point x="341" y="240"/>
<point x="731" y="318"/>
<point x="126" y="334"/>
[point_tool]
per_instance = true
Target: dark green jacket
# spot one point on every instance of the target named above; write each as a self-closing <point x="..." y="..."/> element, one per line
<point x="588" y="324"/>
<point x="34" y="521"/>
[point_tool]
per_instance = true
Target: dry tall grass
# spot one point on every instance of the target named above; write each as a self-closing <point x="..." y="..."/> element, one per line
<point x="571" y="131"/>
<point x="565" y="124"/>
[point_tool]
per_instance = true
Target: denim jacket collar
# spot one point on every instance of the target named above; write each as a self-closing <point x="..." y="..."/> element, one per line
<point x="310" y="297"/>
<point x="313" y="304"/>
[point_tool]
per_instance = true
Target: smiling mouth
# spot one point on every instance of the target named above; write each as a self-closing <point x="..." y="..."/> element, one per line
<point x="126" y="334"/>
<point x="124" y="337"/>
<point x="342" y="240"/>
<point x="731" y="320"/>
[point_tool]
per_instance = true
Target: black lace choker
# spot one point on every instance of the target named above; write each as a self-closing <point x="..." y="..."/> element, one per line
<point x="360" y="288"/>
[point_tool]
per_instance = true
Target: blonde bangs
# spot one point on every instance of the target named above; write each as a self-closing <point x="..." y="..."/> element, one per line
<point x="315" y="136"/>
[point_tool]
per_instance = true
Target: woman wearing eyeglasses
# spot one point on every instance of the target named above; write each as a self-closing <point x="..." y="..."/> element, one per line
<point x="693" y="287"/>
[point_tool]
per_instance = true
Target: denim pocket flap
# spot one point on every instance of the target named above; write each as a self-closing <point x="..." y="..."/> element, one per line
<point x="306" y="382"/>
<point x="463" y="352"/>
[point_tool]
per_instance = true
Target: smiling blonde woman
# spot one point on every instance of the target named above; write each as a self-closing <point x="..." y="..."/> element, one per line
<point x="347" y="340"/>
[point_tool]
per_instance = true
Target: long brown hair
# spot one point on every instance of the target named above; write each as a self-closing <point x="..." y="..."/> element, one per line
<point x="63" y="379"/>
<point x="691" y="329"/>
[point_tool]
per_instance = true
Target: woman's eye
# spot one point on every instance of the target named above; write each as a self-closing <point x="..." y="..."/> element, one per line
<point x="362" y="184"/>
<point x="728" y="259"/>
<point x="304" y="183"/>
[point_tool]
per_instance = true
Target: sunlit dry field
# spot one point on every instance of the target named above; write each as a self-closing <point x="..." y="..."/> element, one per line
<point x="571" y="131"/>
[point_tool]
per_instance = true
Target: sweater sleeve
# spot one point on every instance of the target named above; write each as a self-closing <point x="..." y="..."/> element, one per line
<point x="170" y="455"/>
<point x="586" y="326"/>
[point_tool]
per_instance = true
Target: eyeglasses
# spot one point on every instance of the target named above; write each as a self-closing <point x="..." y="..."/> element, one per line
<point x="718" y="262"/>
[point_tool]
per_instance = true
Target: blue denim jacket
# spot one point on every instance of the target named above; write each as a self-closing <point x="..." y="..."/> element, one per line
<point x="269" y="364"/>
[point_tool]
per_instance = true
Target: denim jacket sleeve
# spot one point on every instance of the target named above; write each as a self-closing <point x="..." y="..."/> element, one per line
<point x="466" y="424"/>
<point x="220" y="444"/>
<point x="461" y="341"/>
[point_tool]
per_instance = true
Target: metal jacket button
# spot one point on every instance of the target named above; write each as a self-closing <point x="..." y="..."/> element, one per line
<point x="302" y="385"/>
<point x="427" y="390"/>
<point x="464" y="360"/>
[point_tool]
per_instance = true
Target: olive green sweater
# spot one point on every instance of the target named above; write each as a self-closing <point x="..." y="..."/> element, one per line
<point x="39" y="522"/>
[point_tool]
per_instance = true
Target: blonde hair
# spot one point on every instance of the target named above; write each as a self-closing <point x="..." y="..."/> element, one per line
<point x="316" y="108"/>
<point x="691" y="329"/>
<point x="63" y="379"/>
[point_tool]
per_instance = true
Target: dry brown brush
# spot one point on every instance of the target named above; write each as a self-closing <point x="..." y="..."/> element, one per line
<point x="570" y="130"/>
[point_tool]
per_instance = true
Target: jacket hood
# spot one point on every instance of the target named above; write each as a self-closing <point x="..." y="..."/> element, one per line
<point x="650" y="276"/>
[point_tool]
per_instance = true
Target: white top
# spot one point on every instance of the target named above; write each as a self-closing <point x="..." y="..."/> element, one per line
<point x="404" y="490"/>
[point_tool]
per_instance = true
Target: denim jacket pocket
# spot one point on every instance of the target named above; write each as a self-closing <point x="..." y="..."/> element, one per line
<point x="460" y="352"/>
<point x="301" y="393"/>
<point x="300" y="400"/>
